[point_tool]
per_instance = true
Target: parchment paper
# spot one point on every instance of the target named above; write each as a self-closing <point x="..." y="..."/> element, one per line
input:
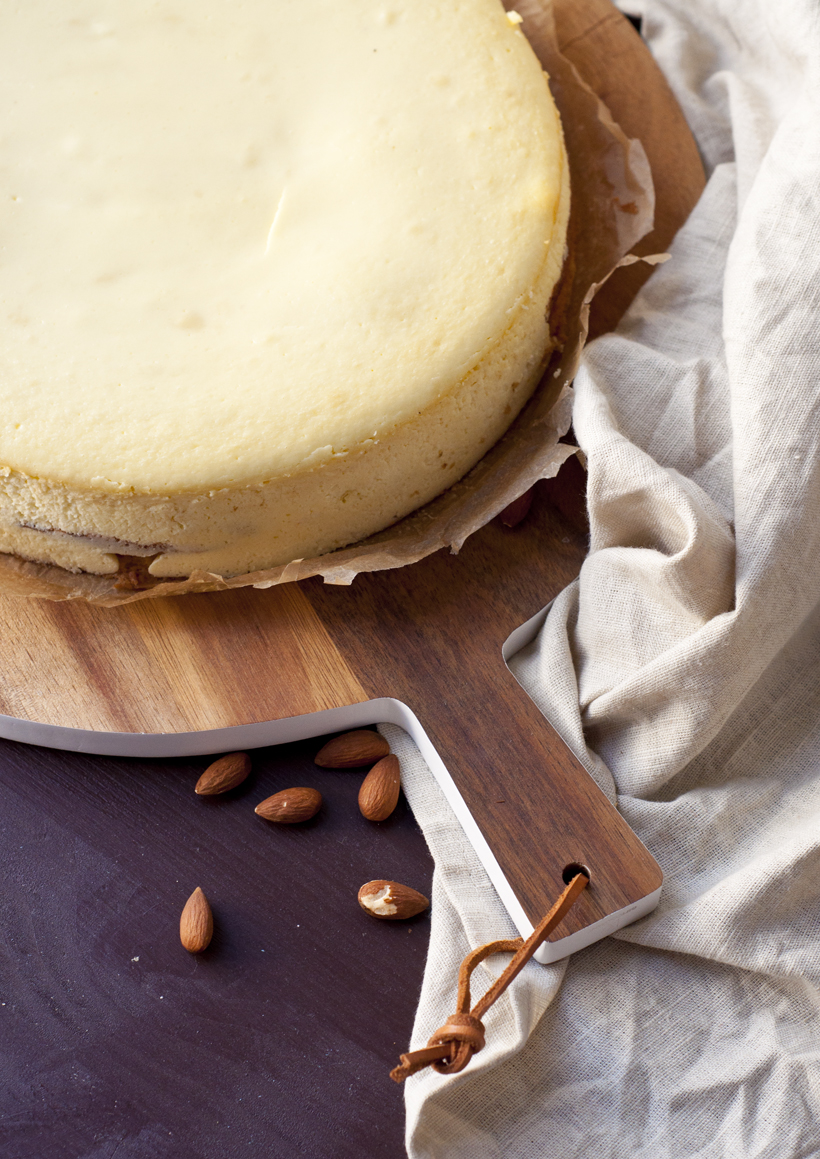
<point x="612" y="208"/>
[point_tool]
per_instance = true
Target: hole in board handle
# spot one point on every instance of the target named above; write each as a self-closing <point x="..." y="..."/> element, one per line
<point x="572" y="870"/>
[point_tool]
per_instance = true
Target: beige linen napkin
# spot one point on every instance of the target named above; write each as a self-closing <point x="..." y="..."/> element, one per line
<point x="684" y="669"/>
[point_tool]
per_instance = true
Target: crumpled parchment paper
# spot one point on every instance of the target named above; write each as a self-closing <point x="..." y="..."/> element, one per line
<point x="612" y="208"/>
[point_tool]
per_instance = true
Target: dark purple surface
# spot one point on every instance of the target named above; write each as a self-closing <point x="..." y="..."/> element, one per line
<point x="276" y="1042"/>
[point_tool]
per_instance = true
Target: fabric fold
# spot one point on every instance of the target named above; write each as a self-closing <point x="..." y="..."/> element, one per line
<point x="683" y="668"/>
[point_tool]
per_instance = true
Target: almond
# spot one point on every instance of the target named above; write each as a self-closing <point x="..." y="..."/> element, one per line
<point x="391" y="900"/>
<point x="196" y="924"/>
<point x="352" y="750"/>
<point x="517" y="511"/>
<point x="290" y="806"/>
<point x="380" y="789"/>
<point x="224" y="774"/>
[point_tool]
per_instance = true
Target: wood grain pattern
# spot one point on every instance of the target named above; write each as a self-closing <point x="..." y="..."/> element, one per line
<point x="609" y="54"/>
<point x="429" y="635"/>
<point x="440" y="626"/>
<point x="201" y="662"/>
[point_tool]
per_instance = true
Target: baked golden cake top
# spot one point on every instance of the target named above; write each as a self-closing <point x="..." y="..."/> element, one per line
<point x="240" y="239"/>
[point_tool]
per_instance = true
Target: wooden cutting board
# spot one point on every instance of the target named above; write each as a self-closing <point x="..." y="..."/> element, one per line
<point x="423" y="641"/>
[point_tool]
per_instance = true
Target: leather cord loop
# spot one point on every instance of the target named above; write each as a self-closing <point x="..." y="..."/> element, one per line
<point x="454" y="1044"/>
<point x="466" y="1035"/>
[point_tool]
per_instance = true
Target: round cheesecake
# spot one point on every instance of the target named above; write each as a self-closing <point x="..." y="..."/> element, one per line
<point x="273" y="275"/>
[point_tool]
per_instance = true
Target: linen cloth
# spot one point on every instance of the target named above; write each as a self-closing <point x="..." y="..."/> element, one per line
<point x="682" y="668"/>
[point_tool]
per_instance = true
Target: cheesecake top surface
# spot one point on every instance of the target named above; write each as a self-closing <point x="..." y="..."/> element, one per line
<point x="238" y="239"/>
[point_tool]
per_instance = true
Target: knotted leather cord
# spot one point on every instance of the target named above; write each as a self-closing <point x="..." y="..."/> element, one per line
<point x="454" y="1044"/>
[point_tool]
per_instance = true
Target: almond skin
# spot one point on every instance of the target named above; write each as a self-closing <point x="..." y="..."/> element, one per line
<point x="290" y="806"/>
<point x="517" y="511"/>
<point x="391" y="901"/>
<point x="196" y="924"/>
<point x="380" y="789"/>
<point x="352" y="750"/>
<point x="224" y="774"/>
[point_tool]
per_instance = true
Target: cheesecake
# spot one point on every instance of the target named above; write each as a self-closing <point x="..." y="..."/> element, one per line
<point x="273" y="275"/>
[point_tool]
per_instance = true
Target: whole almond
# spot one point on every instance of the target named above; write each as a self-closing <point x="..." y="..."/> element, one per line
<point x="352" y="750"/>
<point x="290" y="806"/>
<point x="391" y="900"/>
<point x="196" y="924"/>
<point x="224" y="774"/>
<point x="380" y="789"/>
<point x="517" y="511"/>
